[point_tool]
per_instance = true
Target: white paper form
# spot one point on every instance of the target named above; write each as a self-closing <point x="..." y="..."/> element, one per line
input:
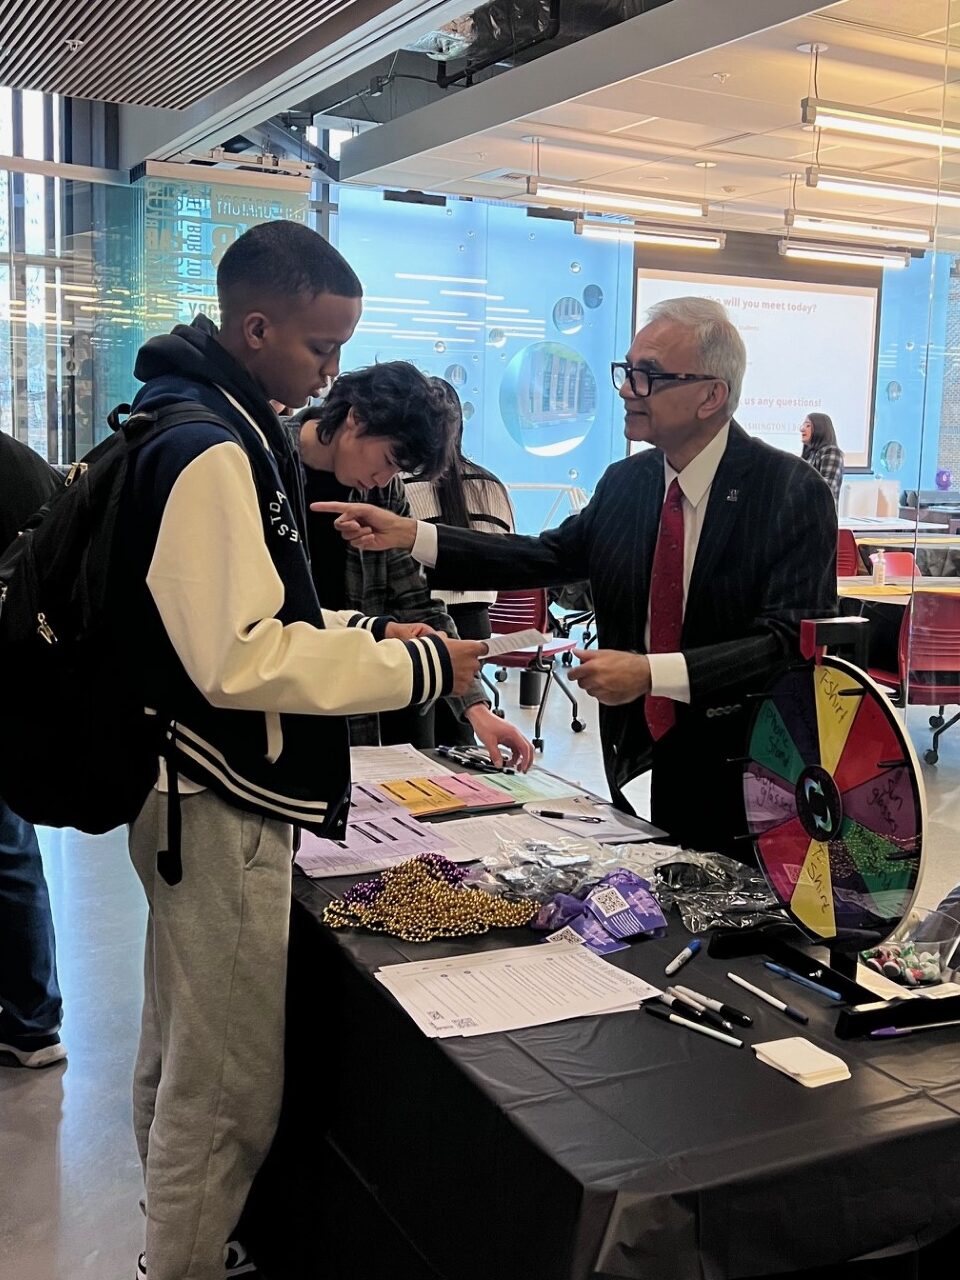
<point x="614" y="827"/>
<point x="481" y="836"/>
<point x="506" y="990"/>
<point x="373" y="844"/>
<point x="510" y="641"/>
<point x="386" y="764"/>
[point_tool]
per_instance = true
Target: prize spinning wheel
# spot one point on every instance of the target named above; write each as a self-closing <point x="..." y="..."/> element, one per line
<point x="834" y="803"/>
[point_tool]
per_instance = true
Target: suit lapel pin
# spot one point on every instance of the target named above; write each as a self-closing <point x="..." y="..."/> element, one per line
<point x="733" y="495"/>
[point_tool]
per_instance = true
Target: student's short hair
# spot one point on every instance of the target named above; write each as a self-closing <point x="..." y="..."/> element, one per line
<point x="395" y="402"/>
<point x="283" y="259"/>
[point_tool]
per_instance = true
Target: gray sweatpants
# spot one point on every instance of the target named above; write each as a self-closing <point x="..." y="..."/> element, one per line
<point x="209" y="1072"/>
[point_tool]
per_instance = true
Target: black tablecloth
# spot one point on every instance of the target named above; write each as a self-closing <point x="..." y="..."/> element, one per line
<point x="603" y="1147"/>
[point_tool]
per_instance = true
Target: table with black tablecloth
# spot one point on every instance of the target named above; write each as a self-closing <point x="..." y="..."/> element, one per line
<point x="615" y="1146"/>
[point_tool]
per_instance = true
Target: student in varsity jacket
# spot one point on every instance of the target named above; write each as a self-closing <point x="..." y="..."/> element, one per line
<point x="373" y="424"/>
<point x="256" y="681"/>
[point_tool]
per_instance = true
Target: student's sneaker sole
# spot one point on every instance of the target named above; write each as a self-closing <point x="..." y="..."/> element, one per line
<point x="236" y="1260"/>
<point x="44" y="1056"/>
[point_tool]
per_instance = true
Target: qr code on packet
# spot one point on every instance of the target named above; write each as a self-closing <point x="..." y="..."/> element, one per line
<point x="609" y="901"/>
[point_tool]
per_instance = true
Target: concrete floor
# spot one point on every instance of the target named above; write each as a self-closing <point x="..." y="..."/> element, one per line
<point x="69" y="1176"/>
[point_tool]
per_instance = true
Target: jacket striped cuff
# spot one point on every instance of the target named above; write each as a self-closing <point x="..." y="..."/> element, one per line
<point x="376" y="626"/>
<point x="432" y="669"/>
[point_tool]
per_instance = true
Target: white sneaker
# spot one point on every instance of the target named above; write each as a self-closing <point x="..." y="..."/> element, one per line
<point x="236" y="1260"/>
<point x="35" y="1051"/>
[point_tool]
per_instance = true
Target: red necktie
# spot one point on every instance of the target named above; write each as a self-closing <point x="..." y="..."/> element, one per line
<point x="666" y="602"/>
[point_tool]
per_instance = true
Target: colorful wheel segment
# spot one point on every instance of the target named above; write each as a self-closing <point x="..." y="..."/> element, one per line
<point x="834" y="803"/>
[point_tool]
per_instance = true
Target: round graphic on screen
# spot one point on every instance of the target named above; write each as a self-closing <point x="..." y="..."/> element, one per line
<point x="456" y="375"/>
<point x="568" y="315"/>
<point x="548" y="399"/>
<point x="497" y="338"/>
<point x="592" y="296"/>
<point x="468" y="410"/>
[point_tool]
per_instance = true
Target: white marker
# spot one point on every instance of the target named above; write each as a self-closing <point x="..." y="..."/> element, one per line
<point x="795" y="1014"/>
<point x="661" y="1011"/>
<point x="686" y="954"/>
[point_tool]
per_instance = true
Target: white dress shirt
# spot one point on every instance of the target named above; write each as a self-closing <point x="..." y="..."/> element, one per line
<point x="668" y="671"/>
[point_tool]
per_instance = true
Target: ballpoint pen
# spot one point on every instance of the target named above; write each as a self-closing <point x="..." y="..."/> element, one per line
<point x="567" y="817"/>
<point x="802" y="980"/>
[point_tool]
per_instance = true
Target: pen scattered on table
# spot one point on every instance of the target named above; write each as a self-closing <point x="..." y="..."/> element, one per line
<point x="664" y="1014"/>
<point x="795" y="1014"/>
<point x="802" y="980"/>
<point x="725" y="1010"/>
<point x="688" y="1009"/>
<point x="565" y="817"/>
<point x="471" y="761"/>
<point x="688" y="952"/>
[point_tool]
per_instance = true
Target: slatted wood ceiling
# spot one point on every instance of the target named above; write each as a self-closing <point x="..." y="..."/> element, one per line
<point x="168" y="53"/>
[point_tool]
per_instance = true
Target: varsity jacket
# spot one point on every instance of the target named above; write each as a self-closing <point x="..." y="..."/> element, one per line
<point x="389" y="583"/>
<point x="250" y="678"/>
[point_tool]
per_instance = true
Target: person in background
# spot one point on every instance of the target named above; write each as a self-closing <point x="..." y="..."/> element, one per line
<point x="820" y="449"/>
<point x="30" y="1003"/>
<point x="466" y="496"/>
<point x="374" y="423"/>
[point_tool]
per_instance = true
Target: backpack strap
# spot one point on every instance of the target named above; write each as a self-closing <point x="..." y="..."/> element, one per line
<point x="145" y="425"/>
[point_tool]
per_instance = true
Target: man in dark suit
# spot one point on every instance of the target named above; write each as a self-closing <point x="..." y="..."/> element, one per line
<point x="703" y="554"/>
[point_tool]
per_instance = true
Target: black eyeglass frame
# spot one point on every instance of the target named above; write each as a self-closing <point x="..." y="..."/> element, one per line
<point x="629" y="372"/>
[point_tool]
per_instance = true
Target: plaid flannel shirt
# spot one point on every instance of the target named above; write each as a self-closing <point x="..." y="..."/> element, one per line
<point x="392" y="584"/>
<point x="828" y="460"/>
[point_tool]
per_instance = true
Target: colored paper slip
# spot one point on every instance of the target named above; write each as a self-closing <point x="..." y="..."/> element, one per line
<point x="422" y="797"/>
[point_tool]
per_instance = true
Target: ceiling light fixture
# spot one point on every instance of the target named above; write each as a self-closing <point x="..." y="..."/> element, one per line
<point x="668" y="236"/>
<point x="567" y="196"/>
<point x="851" y="183"/>
<point x="835" y="225"/>
<point x="840" y="117"/>
<point x="848" y="255"/>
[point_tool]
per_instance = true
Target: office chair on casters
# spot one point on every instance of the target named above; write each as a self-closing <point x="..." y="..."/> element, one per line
<point x="928" y="661"/>
<point x="577" y="599"/>
<point x="514" y="611"/>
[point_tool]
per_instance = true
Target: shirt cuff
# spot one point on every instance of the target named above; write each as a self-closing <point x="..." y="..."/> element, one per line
<point x="669" y="677"/>
<point x="425" y="545"/>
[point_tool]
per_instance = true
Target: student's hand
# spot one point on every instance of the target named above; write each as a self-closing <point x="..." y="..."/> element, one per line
<point x="611" y="676"/>
<point x="407" y="631"/>
<point x="369" y="528"/>
<point x="494" y="733"/>
<point x="465" y="656"/>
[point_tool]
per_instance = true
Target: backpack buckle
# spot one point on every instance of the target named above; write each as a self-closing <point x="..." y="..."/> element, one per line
<point x="75" y="472"/>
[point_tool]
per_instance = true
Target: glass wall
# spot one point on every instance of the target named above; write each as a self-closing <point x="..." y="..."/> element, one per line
<point x="522" y="316"/>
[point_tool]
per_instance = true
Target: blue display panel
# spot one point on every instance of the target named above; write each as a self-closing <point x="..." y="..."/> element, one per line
<point x="518" y="313"/>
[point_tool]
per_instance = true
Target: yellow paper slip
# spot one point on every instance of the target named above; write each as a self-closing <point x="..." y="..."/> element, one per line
<point x="421" y="796"/>
<point x="872" y="589"/>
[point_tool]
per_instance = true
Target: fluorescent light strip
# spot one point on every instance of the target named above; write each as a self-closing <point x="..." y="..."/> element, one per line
<point x="465" y="293"/>
<point x="855" y="184"/>
<point x="412" y="275"/>
<point x="419" y="337"/>
<point x="615" y="201"/>
<point x="410" y="302"/>
<point x="841" y="117"/>
<point x="402" y="311"/>
<point x="884" y="232"/>
<point x="852" y="256"/>
<point x="649" y="235"/>
<point x="514" y="311"/>
<point x="441" y="320"/>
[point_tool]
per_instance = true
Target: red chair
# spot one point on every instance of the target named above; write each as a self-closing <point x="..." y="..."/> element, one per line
<point x="928" y="661"/>
<point x="519" y="611"/>
<point x="848" y="554"/>
<point x="899" y="564"/>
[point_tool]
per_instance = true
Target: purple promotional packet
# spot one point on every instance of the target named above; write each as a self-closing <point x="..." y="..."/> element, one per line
<point x="586" y="929"/>
<point x="623" y="904"/>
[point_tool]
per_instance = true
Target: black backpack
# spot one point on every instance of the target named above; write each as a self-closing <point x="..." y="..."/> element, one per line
<point x="76" y="747"/>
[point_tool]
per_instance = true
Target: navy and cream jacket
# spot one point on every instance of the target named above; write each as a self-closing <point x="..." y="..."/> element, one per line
<point x="250" y="677"/>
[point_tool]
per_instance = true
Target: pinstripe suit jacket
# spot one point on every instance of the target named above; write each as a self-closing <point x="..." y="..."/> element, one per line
<point x="766" y="559"/>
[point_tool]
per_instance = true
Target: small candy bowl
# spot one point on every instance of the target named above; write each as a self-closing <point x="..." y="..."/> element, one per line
<point x="920" y="951"/>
